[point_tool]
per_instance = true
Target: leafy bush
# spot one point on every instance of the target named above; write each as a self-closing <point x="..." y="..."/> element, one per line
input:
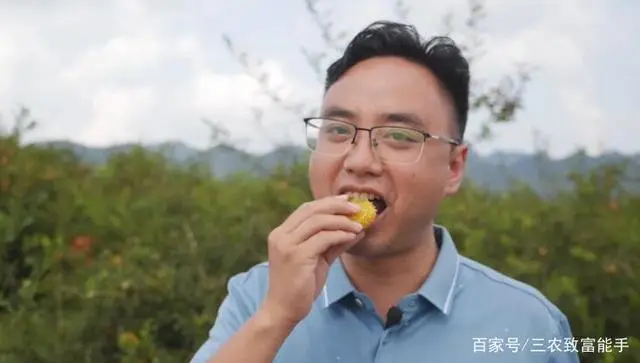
<point x="127" y="262"/>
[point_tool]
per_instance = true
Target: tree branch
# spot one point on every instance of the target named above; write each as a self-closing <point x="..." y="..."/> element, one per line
<point x="501" y="100"/>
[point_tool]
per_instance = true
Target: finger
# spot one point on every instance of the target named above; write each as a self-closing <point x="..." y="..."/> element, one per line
<point x="330" y="205"/>
<point x="335" y="251"/>
<point x="324" y="240"/>
<point x="324" y="222"/>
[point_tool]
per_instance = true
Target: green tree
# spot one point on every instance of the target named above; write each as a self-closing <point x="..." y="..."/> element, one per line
<point x="128" y="261"/>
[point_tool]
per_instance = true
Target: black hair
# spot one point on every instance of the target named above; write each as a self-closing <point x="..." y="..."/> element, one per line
<point x="439" y="54"/>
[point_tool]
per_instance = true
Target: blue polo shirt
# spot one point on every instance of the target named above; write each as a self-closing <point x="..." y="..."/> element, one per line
<point x="464" y="312"/>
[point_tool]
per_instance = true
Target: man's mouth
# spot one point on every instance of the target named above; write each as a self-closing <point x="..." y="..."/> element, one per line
<point x="378" y="201"/>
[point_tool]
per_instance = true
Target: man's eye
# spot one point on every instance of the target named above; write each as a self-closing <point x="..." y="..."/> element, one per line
<point x="402" y="136"/>
<point x="337" y="130"/>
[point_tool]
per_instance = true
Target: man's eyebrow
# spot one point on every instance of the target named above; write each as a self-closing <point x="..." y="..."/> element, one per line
<point x="334" y="111"/>
<point x="409" y="119"/>
<point x="406" y="118"/>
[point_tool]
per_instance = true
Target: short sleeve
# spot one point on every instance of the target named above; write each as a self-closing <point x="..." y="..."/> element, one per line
<point x="564" y="333"/>
<point x="236" y="308"/>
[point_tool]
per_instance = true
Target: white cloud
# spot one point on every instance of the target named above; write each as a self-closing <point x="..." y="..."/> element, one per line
<point x="115" y="115"/>
<point x="587" y="118"/>
<point x="227" y="92"/>
<point x="8" y="58"/>
<point x="556" y="38"/>
<point x="119" y="54"/>
<point x="232" y="100"/>
<point x="142" y="70"/>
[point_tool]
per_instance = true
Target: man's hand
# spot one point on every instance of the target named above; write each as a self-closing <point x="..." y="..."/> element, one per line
<point x="301" y="250"/>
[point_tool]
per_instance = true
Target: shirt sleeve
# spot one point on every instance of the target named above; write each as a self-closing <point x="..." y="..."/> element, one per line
<point x="564" y="333"/>
<point x="236" y="308"/>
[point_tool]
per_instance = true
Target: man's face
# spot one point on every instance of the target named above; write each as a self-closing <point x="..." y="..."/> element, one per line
<point x="373" y="93"/>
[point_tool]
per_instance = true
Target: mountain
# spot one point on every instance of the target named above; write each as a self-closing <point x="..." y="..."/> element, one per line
<point x="496" y="171"/>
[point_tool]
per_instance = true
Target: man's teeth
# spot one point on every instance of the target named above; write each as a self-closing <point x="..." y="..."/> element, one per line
<point x="369" y="196"/>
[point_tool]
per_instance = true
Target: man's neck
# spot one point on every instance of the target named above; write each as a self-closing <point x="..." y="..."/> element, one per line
<point x="387" y="280"/>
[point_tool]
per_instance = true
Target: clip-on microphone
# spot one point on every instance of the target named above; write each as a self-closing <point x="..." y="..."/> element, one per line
<point x="394" y="317"/>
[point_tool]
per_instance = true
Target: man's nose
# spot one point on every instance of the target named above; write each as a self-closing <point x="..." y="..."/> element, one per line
<point x="361" y="155"/>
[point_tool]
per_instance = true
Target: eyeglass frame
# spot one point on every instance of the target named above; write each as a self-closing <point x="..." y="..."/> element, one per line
<point x="426" y="135"/>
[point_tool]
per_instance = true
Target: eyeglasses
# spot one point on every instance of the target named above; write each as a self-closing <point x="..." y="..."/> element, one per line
<point x="390" y="143"/>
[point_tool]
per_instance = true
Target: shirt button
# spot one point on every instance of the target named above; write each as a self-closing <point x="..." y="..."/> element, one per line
<point x="359" y="303"/>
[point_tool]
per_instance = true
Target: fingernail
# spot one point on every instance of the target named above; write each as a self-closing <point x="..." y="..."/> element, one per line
<point x="343" y="196"/>
<point x="354" y="207"/>
<point x="357" y="226"/>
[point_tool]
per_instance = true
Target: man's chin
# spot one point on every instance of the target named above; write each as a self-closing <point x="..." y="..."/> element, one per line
<point x="369" y="247"/>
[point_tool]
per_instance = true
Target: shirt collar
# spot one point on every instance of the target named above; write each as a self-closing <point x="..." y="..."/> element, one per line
<point x="438" y="288"/>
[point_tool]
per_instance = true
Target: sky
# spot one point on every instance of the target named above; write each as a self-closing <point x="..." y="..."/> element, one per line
<point x="102" y="73"/>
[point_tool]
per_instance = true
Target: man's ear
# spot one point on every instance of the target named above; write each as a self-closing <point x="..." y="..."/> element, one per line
<point x="457" y="164"/>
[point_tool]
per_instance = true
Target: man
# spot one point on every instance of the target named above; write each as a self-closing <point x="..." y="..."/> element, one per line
<point x="393" y="116"/>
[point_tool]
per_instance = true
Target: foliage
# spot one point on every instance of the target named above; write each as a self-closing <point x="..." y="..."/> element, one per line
<point x="128" y="262"/>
